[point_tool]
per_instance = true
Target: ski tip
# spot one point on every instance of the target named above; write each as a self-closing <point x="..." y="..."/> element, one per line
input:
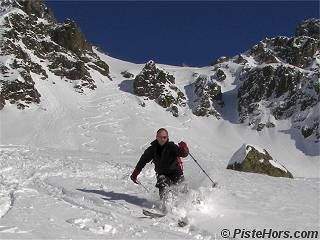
<point x="152" y="214"/>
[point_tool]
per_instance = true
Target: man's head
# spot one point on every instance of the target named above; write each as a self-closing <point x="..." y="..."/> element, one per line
<point x="162" y="136"/>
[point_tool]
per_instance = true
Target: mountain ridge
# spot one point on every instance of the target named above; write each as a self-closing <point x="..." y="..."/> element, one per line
<point x="277" y="79"/>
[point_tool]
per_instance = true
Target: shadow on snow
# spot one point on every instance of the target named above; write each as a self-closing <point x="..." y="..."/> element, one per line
<point x="114" y="196"/>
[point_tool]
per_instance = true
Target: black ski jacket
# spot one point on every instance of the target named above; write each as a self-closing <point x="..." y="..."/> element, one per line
<point x="164" y="158"/>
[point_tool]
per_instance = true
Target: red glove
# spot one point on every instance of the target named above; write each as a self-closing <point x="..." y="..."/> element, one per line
<point x="183" y="146"/>
<point x="134" y="175"/>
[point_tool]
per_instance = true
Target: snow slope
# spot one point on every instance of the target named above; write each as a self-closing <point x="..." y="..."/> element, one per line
<point x="65" y="166"/>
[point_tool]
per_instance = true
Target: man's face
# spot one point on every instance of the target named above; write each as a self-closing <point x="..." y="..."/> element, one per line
<point x="162" y="137"/>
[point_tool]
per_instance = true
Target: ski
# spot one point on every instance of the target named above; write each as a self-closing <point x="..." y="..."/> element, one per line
<point x="182" y="222"/>
<point x="152" y="214"/>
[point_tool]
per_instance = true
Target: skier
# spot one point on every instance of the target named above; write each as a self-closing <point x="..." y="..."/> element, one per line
<point x="167" y="162"/>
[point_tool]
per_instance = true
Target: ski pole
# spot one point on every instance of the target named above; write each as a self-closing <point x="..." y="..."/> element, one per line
<point x="143" y="186"/>
<point x="213" y="183"/>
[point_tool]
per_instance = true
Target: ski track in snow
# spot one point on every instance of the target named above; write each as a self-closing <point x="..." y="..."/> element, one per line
<point x="104" y="122"/>
<point x="70" y="181"/>
<point x="80" y="189"/>
<point x="85" y="191"/>
<point x="88" y="194"/>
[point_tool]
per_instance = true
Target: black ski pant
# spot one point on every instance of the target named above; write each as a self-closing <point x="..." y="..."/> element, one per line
<point x="164" y="181"/>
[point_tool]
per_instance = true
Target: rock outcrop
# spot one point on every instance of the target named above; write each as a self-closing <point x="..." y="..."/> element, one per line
<point x="33" y="45"/>
<point x="283" y="83"/>
<point x="207" y="93"/>
<point x="256" y="160"/>
<point x="157" y="84"/>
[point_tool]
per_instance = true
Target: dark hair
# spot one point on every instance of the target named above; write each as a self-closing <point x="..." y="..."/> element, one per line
<point x="162" y="129"/>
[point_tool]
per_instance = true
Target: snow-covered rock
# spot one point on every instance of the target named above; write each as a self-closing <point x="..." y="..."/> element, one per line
<point x="127" y="74"/>
<point x="157" y="84"/>
<point x="207" y="92"/>
<point x="250" y="158"/>
<point x="309" y="27"/>
<point x="33" y="43"/>
<point x="283" y="82"/>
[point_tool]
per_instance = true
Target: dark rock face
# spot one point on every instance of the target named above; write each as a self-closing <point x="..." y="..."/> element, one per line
<point x="127" y="74"/>
<point x="62" y="67"/>
<point x="262" y="54"/>
<point x="285" y="82"/>
<point x="310" y="28"/>
<point x="158" y="85"/>
<point x="240" y="60"/>
<point x="20" y="93"/>
<point x="32" y="36"/>
<point x="70" y="37"/>
<point x="282" y="88"/>
<point x="101" y="67"/>
<point x="2" y="102"/>
<point x="207" y="92"/>
<point x="308" y="131"/>
<point x="150" y="82"/>
<point x="220" y="75"/>
<point x="249" y="159"/>
<point x="36" y="8"/>
<point x="298" y="51"/>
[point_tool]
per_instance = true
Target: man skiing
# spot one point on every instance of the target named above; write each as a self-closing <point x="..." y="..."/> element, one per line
<point x="166" y="158"/>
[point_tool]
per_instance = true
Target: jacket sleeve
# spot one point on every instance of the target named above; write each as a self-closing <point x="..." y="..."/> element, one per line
<point x="179" y="152"/>
<point x="146" y="157"/>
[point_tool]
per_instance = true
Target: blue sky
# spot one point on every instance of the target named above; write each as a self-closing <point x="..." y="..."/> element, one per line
<point x="194" y="33"/>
